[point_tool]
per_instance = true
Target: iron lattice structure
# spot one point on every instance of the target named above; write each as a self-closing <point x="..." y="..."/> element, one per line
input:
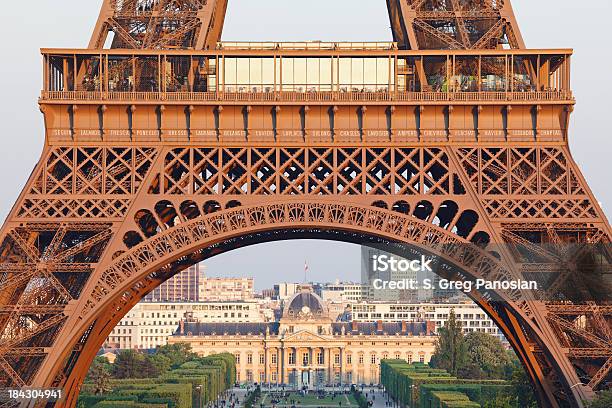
<point x="155" y="160"/>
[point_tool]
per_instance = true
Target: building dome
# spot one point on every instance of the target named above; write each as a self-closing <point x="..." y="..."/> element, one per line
<point x="306" y="304"/>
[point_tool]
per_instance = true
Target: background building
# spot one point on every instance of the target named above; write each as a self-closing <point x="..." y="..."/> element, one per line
<point x="469" y="315"/>
<point x="149" y="324"/>
<point x="227" y="289"/>
<point x="285" y="290"/>
<point x="307" y="348"/>
<point x="185" y="286"/>
<point x="341" y="292"/>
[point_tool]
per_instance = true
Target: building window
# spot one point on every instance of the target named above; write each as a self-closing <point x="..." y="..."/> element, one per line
<point x="250" y="358"/>
<point x="262" y="377"/>
<point x="274" y="358"/>
<point x="373" y="359"/>
<point x="421" y="358"/>
<point x="305" y="358"/>
<point x="397" y="356"/>
<point x="349" y="359"/>
<point x="409" y="358"/>
<point x="360" y="358"/>
<point x="320" y="358"/>
<point x="292" y="358"/>
<point x="273" y="376"/>
<point x="262" y="358"/>
<point x="237" y="357"/>
<point x="249" y="375"/>
<point x="336" y="358"/>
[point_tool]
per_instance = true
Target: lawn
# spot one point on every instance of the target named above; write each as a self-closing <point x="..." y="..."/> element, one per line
<point x="311" y="400"/>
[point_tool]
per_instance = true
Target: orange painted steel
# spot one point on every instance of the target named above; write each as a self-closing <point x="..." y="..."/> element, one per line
<point x="155" y="159"/>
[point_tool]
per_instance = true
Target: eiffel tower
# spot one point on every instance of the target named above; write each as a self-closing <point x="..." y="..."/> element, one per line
<point x="165" y="146"/>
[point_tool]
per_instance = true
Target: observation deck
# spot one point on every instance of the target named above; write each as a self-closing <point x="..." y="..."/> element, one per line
<point x="307" y="73"/>
<point x="306" y="92"/>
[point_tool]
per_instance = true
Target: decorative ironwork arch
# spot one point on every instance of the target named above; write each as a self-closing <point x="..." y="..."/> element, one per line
<point x="134" y="273"/>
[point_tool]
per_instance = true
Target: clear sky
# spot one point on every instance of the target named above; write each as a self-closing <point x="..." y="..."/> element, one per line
<point x="28" y="26"/>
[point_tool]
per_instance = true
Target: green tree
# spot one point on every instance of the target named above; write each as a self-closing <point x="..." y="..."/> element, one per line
<point x="603" y="400"/>
<point x="128" y="364"/>
<point x="99" y="374"/>
<point x="450" y="353"/>
<point x="522" y="387"/>
<point x="178" y="353"/>
<point x="156" y="365"/>
<point x="500" y="401"/>
<point x="486" y="357"/>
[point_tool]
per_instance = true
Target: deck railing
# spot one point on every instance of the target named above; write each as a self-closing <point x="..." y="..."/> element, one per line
<point x="300" y="97"/>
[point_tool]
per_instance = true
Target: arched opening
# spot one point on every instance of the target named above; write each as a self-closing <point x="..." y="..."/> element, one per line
<point x="401" y="207"/>
<point x="423" y="210"/>
<point x="233" y="204"/>
<point x="380" y="204"/>
<point x="466" y="223"/>
<point x="446" y="213"/>
<point x="131" y="239"/>
<point x="211" y="207"/>
<point x="295" y="227"/>
<point x="190" y="210"/>
<point x="147" y="223"/>
<point x="167" y="213"/>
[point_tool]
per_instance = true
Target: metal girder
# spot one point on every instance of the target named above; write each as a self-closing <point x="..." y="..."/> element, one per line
<point x="5" y="345"/>
<point x="4" y="365"/>
<point x="88" y="243"/>
<point x="463" y="33"/>
<point x="26" y="351"/>
<point x="602" y="372"/>
<point x="602" y="325"/>
<point x="535" y="248"/>
<point x="55" y="243"/>
<point x="161" y="24"/>
<point x="30" y="251"/>
<point x="585" y="334"/>
<point x="451" y="15"/>
<point x="32" y="309"/>
<point x="490" y="35"/>
<point x="486" y="22"/>
<point x="573" y="309"/>
<point x="440" y="35"/>
<point x="590" y="352"/>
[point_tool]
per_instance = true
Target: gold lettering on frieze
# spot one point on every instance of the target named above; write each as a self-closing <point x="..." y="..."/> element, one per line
<point x="436" y="133"/>
<point x="259" y="133"/>
<point x="517" y="132"/>
<point x="88" y="132"/>
<point x="491" y="132"/>
<point x="61" y="132"/>
<point x="118" y="132"/>
<point x="463" y="133"/>
<point x="349" y="133"/>
<point x="554" y="132"/>
<point x="406" y="133"/>
<point x="290" y="133"/>
<point x="209" y="132"/>
<point x="320" y="133"/>
<point x="233" y="133"/>
<point x="175" y="132"/>
<point x="146" y="132"/>
<point x="377" y="133"/>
